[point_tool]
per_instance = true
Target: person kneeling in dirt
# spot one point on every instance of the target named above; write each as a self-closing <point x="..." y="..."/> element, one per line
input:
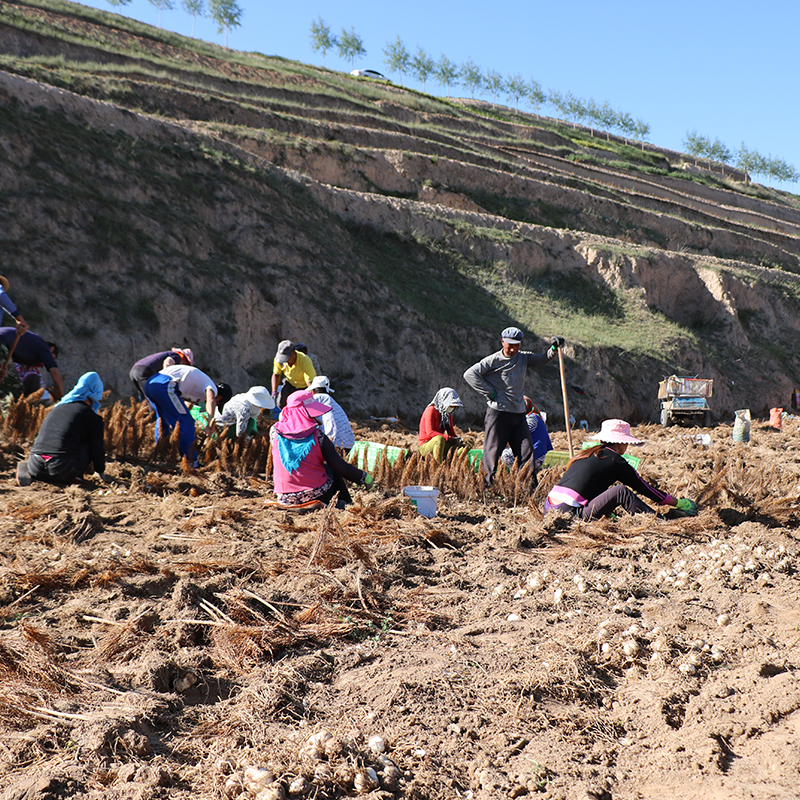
<point x="437" y="434"/>
<point x="599" y="479"/>
<point x="70" y="438"/>
<point x="540" y="438"/>
<point x="305" y="464"/>
<point x="243" y="410"/>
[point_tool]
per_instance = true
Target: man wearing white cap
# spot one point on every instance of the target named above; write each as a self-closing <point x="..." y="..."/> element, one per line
<point x="500" y="378"/>
<point x="294" y="367"/>
<point x="243" y="409"/>
<point x="335" y="424"/>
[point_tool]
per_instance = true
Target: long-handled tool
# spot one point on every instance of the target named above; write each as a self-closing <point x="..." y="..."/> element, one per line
<point x="566" y="406"/>
<point x="4" y="370"/>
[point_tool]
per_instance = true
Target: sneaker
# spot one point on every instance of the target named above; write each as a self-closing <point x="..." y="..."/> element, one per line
<point x="23" y="476"/>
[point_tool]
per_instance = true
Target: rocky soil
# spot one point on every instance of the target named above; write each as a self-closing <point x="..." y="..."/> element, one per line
<point x="166" y="635"/>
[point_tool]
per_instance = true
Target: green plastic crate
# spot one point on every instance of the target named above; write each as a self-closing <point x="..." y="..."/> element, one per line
<point x="554" y="457"/>
<point x="475" y="457"/>
<point x="367" y="454"/>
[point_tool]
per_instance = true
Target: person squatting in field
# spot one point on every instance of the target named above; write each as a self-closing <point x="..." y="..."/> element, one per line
<point x="598" y="480"/>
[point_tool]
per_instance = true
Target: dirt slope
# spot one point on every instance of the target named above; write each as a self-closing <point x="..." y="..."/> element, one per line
<point x="165" y="634"/>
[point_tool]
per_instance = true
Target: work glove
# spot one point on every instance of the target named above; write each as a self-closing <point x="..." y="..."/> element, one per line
<point x="493" y="394"/>
<point x="369" y="481"/>
<point x="556" y="342"/>
<point x="687" y="506"/>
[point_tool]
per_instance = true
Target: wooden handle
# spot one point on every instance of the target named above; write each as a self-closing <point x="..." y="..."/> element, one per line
<point x="566" y="406"/>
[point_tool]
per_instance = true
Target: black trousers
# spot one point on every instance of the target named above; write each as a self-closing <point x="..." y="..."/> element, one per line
<point x="505" y="428"/>
<point x="341" y="469"/>
<point x="286" y="390"/>
<point x="58" y="469"/>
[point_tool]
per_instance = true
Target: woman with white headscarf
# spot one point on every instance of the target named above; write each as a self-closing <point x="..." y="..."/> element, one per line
<point x="437" y="434"/>
<point x="71" y="437"/>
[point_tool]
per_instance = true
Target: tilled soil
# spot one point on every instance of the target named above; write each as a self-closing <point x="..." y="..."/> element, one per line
<point x="169" y="635"/>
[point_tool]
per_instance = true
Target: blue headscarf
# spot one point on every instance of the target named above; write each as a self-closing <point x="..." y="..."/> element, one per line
<point x="88" y="387"/>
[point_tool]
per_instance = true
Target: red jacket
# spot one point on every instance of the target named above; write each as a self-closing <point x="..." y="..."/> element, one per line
<point x="430" y="425"/>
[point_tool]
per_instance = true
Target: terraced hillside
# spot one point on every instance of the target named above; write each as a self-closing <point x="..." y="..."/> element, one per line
<point x="163" y="190"/>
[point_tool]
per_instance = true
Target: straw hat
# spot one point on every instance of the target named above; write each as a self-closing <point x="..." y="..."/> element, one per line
<point x="5" y="283"/>
<point x="617" y="431"/>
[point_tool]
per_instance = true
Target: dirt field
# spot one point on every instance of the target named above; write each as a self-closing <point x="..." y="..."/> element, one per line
<point x="169" y="636"/>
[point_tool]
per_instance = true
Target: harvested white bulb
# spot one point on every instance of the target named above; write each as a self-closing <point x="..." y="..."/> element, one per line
<point x="323" y="773"/>
<point x="723" y="620"/>
<point x="314" y="748"/>
<point x="233" y="786"/>
<point x="185" y="681"/>
<point x="366" y="780"/>
<point x="274" y="791"/>
<point x="257" y="778"/>
<point x="558" y="594"/>
<point x="630" y="648"/>
<point x="688" y="668"/>
<point x="377" y="744"/>
<point x="298" y="787"/>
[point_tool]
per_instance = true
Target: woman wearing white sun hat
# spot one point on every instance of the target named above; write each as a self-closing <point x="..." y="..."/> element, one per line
<point x="599" y="479"/>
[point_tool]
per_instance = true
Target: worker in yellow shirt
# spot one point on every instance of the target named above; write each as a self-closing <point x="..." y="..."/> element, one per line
<point x="294" y="367"/>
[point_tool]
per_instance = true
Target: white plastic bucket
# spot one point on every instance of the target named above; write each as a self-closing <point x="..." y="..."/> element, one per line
<point x="424" y="498"/>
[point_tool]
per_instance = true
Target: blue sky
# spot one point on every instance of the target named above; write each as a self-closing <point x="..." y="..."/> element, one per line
<point x="724" y="69"/>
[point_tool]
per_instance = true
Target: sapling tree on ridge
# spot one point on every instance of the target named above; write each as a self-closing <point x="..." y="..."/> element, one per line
<point x="445" y="71"/>
<point x="493" y="83"/>
<point x="226" y="13"/>
<point x="351" y="46"/>
<point x="516" y="87"/>
<point x="161" y="5"/>
<point x="422" y="66"/>
<point x="398" y="59"/>
<point x="321" y="38"/>
<point x="471" y="76"/>
<point x="195" y="8"/>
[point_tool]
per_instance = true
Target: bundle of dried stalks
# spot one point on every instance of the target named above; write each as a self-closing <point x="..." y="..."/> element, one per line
<point x="333" y="548"/>
<point x="29" y="674"/>
<point x="22" y="420"/>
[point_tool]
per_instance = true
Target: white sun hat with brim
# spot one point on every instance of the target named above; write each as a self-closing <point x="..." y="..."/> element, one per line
<point x="617" y="431"/>
<point x="259" y="396"/>
<point x="321" y="382"/>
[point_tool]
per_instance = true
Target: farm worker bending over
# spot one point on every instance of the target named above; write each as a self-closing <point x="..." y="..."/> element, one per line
<point x="335" y="424"/>
<point x="31" y="353"/>
<point x="7" y="304"/>
<point x="170" y="389"/>
<point x="71" y="436"/>
<point x="597" y="480"/>
<point x="437" y="434"/>
<point x="146" y="367"/>
<point x="500" y="378"/>
<point x="242" y="410"/>
<point x="295" y="368"/>
<point x="305" y="464"/>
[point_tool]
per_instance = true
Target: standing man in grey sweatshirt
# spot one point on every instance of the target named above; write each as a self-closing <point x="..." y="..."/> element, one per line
<point x="500" y="378"/>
